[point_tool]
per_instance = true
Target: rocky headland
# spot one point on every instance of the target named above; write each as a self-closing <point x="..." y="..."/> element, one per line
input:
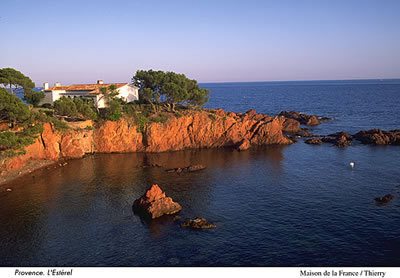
<point x="192" y="129"/>
<point x="206" y="128"/>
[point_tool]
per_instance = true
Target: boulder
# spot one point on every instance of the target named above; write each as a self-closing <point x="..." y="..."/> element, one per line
<point x="385" y="199"/>
<point x="154" y="203"/>
<point x="198" y="223"/>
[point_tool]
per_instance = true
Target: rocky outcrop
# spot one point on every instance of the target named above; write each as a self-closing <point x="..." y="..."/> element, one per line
<point x="379" y="137"/>
<point x="118" y="137"/>
<point x="154" y="203"/>
<point x="342" y="141"/>
<point x="192" y="130"/>
<point x="340" y="134"/>
<point x="339" y="139"/>
<point x="198" y="223"/>
<point x="291" y="125"/>
<point x="199" y="130"/>
<point x="188" y="169"/>
<point x="314" y="141"/>
<point x="304" y="119"/>
<point x="384" y="200"/>
<point x="53" y="145"/>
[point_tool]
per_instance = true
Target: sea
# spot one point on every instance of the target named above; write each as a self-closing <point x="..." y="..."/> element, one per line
<point x="296" y="205"/>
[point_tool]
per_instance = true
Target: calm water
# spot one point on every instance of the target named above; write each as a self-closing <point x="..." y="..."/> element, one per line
<point x="274" y="206"/>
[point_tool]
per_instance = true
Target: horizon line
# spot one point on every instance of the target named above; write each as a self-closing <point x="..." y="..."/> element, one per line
<point x="302" y="80"/>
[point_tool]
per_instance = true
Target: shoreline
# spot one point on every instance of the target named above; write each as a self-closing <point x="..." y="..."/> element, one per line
<point x="197" y="130"/>
<point x="6" y="177"/>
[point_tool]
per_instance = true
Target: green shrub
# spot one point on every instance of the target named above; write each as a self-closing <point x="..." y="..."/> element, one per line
<point x="12" y="108"/>
<point x="141" y="121"/>
<point x="113" y="112"/>
<point x="13" y="143"/>
<point x="85" y="107"/>
<point x="160" y="118"/>
<point x="60" y="125"/>
<point x="65" y="107"/>
<point x="47" y="105"/>
<point x="33" y="97"/>
<point x="212" y="116"/>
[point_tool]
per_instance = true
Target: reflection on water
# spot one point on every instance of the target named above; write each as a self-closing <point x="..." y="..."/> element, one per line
<point x="273" y="206"/>
<point x="96" y="186"/>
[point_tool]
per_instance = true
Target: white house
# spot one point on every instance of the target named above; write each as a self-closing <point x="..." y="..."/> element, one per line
<point x="126" y="91"/>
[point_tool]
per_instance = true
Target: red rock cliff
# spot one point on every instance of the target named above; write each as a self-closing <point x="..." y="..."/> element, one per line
<point x="193" y="130"/>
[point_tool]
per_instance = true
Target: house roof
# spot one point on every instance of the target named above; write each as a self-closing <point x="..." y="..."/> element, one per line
<point x="92" y="88"/>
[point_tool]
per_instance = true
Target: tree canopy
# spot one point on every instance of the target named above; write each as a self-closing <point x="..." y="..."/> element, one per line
<point x="78" y="107"/>
<point x="15" y="81"/>
<point x="170" y="88"/>
<point x="33" y="97"/>
<point x="12" y="109"/>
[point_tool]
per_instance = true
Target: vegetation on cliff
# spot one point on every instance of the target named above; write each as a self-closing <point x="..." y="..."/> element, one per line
<point x="21" y="122"/>
<point x="169" y="89"/>
<point x="161" y="95"/>
<point x="16" y="82"/>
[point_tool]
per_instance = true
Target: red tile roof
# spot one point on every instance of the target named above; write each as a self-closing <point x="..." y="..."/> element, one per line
<point x="94" y="88"/>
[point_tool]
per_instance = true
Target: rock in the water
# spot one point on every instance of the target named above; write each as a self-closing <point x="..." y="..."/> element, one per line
<point x="244" y="145"/>
<point x="379" y="137"/>
<point x="314" y="141"/>
<point x="304" y="119"/>
<point x="198" y="223"/>
<point x="306" y="134"/>
<point x="385" y="199"/>
<point x="342" y="141"/>
<point x="340" y="134"/>
<point x="191" y="168"/>
<point x="154" y="203"/>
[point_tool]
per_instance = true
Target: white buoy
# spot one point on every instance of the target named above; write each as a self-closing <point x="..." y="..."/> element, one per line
<point x="352" y="164"/>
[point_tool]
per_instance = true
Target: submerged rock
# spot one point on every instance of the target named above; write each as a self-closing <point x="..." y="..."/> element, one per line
<point x="191" y="168"/>
<point x="314" y="141"/>
<point x="198" y="223"/>
<point x="385" y="199"/>
<point x="306" y="134"/>
<point x="154" y="203"/>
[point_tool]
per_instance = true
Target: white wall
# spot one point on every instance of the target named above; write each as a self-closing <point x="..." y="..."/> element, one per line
<point x="129" y="93"/>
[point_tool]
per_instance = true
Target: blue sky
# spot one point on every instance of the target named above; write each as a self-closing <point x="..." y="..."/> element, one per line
<point x="210" y="41"/>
